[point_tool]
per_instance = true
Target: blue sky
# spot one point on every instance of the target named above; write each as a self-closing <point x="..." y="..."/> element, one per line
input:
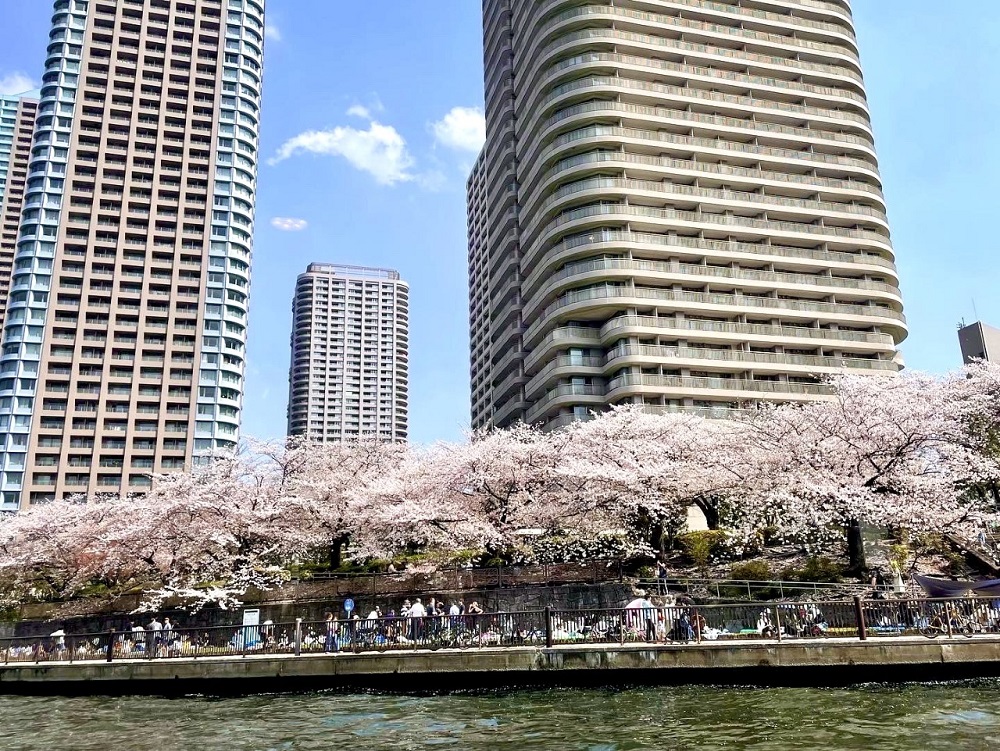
<point x="358" y="145"/>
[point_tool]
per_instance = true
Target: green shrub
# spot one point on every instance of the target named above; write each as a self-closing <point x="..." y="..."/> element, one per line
<point x="956" y="564"/>
<point x="645" y="572"/>
<point x="751" y="571"/>
<point x="816" y="569"/>
<point x="701" y="547"/>
<point x="754" y="571"/>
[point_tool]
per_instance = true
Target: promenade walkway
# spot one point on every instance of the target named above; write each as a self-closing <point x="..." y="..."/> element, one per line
<point x="849" y="641"/>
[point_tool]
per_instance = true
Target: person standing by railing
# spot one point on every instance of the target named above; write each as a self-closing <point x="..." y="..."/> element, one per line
<point x="417" y="614"/>
<point x="330" y="644"/>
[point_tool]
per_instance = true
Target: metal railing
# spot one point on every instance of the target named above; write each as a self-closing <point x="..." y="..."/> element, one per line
<point x="644" y="622"/>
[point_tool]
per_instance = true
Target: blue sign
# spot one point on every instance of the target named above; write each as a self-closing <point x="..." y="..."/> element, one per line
<point x="348" y="604"/>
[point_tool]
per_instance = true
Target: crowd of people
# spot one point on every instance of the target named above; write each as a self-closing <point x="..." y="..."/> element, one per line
<point x="438" y="623"/>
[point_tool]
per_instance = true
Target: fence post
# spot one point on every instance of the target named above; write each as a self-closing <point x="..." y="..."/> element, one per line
<point x="859" y="616"/>
<point x="111" y="644"/>
<point x="777" y="622"/>
<point x="749" y="593"/>
<point x="947" y="615"/>
<point x="69" y="645"/>
<point x="697" y="625"/>
<point x="548" y="627"/>
<point x="298" y="637"/>
<point x="499" y="577"/>
<point x="243" y="640"/>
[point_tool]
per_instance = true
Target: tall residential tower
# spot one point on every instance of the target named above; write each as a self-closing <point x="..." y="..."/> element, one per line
<point x="123" y="350"/>
<point x="678" y="205"/>
<point x="349" y="377"/>
<point x="17" y="124"/>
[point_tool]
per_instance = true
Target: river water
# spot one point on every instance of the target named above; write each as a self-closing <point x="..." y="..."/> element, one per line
<point x="955" y="716"/>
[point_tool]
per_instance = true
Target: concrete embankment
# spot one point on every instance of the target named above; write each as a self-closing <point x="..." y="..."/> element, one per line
<point x="814" y="662"/>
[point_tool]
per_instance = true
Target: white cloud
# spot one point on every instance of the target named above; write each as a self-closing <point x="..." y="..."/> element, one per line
<point x="463" y="128"/>
<point x="289" y="224"/>
<point x="359" y="110"/>
<point x="15" y="83"/>
<point x="380" y="150"/>
<point x="272" y="32"/>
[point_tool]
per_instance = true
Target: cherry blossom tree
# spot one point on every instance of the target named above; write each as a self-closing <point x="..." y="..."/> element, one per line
<point x="647" y="469"/>
<point x="880" y="452"/>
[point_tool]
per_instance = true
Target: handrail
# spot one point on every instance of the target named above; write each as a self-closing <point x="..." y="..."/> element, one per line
<point x="641" y="621"/>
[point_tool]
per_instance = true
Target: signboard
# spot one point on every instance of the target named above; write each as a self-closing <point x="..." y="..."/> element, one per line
<point x="348" y="604"/>
<point x="251" y="617"/>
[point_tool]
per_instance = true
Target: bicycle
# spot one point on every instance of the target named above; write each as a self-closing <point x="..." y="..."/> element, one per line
<point x="938" y="625"/>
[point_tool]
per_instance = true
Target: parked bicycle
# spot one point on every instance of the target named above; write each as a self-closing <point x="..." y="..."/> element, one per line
<point x="960" y="624"/>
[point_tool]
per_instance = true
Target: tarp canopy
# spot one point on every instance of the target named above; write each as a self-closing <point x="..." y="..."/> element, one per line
<point x="945" y="588"/>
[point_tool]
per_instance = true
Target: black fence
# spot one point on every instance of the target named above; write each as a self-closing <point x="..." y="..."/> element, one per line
<point x="646" y="623"/>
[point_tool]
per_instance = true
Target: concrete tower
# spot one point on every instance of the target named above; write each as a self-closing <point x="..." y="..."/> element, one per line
<point x="682" y="209"/>
<point x="124" y="346"/>
<point x="349" y="377"/>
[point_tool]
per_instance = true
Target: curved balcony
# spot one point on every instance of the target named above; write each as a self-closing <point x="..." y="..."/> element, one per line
<point x="729" y="251"/>
<point x="648" y="43"/>
<point x="587" y="218"/>
<point x="682" y="97"/>
<point x="593" y="63"/>
<point x="606" y="299"/>
<point x="591" y="161"/>
<point x="637" y="384"/>
<point x="622" y="17"/>
<point x="617" y="269"/>
<point x="718" y="333"/>
<point x="617" y="188"/>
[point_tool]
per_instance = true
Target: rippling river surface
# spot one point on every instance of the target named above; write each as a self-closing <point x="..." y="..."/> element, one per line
<point x="951" y="716"/>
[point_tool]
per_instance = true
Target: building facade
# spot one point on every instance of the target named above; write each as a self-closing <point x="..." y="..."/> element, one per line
<point x="17" y="123"/>
<point x="349" y="376"/>
<point x="123" y="351"/>
<point x="683" y="209"/>
<point x="979" y="341"/>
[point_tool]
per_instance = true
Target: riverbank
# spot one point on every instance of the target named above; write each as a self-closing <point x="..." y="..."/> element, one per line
<point x="807" y="662"/>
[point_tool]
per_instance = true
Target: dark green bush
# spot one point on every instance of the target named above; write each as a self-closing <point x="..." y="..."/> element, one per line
<point x="701" y="547"/>
<point x="755" y="571"/>
<point x="750" y="571"/>
<point x="816" y="569"/>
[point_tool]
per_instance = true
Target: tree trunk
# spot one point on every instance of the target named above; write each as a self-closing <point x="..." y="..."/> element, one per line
<point x="710" y="511"/>
<point x="856" y="562"/>
<point x="658" y="537"/>
<point x="337" y="552"/>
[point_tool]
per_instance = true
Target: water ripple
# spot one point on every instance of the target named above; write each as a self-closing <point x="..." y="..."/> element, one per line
<point x="955" y="716"/>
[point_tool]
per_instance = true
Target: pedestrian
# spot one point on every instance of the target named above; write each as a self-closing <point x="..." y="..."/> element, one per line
<point x="168" y="636"/>
<point x="138" y="638"/>
<point x="661" y="576"/>
<point x="330" y="644"/>
<point x="155" y="636"/>
<point x="417" y="614"/>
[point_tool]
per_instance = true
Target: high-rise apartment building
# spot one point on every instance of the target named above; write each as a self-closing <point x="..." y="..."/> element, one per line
<point x="123" y="352"/>
<point x="979" y="341"/>
<point x="17" y="123"/>
<point x="349" y="376"/>
<point x="682" y="209"/>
